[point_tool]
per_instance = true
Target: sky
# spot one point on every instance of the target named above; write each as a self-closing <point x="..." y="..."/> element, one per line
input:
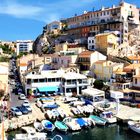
<point x="24" y="19"/>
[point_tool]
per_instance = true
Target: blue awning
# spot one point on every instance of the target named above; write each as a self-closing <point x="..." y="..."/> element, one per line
<point x="49" y="88"/>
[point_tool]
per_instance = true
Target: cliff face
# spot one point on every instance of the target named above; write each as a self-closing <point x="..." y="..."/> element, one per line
<point x="43" y="44"/>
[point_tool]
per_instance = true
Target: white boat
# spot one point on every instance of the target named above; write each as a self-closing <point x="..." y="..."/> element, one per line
<point x="90" y="121"/>
<point x="38" y="126"/>
<point x="49" y="114"/>
<point x="81" y="109"/>
<point x="108" y="116"/>
<point x="31" y="134"/>
<point x="61" y="112"/>
<point x="134" y="125"/>
<point x="72" y="124"/>
<point x="75" y="111"/>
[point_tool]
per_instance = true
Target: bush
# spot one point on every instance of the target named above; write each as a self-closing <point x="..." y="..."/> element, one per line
<point x="98" y="84"/>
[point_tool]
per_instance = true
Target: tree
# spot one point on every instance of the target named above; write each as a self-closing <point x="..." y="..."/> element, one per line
<point x="1" y="93"/>
<point x="98" y="84"/>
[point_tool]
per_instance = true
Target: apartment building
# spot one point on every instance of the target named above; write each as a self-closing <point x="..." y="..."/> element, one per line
<point x="53" y="27"/>
<point x="122" y="18"/>
<point x="87" y="58"/>
<point x="91" y="43"/>
<point x="106" y="41"/>
<point x="104" y="69"/>
<point x="24" y="46"/>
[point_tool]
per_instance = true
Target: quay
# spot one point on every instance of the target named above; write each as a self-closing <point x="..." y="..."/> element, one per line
<point x="125" y="113"/>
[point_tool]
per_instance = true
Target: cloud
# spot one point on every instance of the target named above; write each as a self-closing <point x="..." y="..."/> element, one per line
<point x="45" y="11"/>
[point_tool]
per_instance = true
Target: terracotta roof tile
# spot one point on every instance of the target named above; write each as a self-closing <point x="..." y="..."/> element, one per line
<point x="134" y="57"/>
<point x="86" y="53"/>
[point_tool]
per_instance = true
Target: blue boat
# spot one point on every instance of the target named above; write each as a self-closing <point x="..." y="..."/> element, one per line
<point x="82" y="122"/>
<point x="61" y="126"/>
<point x="48" y="125"/>
<point x="98" y="120"/>
<point x="51" y="106"/>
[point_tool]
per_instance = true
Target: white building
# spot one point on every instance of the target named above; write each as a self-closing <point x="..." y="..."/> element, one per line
<point x="91" y="43"/>
<point x="50" y="81"/>
<point x="24" y="46"/>
<point x="136" y="78"/>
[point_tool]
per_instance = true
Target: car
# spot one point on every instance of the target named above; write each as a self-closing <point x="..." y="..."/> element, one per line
<point x="23" y="109"/>
<point x="27" y="107"/>
<point x="15" y="111"/>
<point x="26" y="103"/>
<point x="22" y="97"/>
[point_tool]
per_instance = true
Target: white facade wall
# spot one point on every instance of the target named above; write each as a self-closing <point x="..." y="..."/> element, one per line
<point x="96" y="56"/>
<point x="24" y="46"/>
<point x="91" y="43"/>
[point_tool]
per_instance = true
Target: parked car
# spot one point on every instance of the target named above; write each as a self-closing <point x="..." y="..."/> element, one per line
<point x="23" y="109"/>
<point x="15" y="111"/>
<point x="22" y="97"/>
<point x="27" y="107"/>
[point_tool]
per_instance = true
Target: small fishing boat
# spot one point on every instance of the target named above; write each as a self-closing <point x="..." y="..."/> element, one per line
<point x="98" y="120"/>
<point x="48" y="125"/>
<point x="61" y="126"/>
<point x="134" y="125"/>
<point x="55" y="113"/>
<point x="38" y="126"/>
<point x="61" y="112"/>
<point x="56" y="137"/>
<point x="49" y="114"/>
<point x="82" y="122"/>
<point x="72" y="124"/>
<point x="30" y="134"/>
<point x="75" y="111"/>
<point x="109" y="117"/>
<point x="90" y="121"/>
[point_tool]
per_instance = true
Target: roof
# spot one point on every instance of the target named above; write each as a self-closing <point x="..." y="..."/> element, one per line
<point x="86" y="53"/>
<point x="137" y="76"/>
<point x="23" y="64"/>
<point x="100" y="61"/>
<point x="108" y="33"/>
<point x="131" y="67"/>
<point x="73" y="75"/>
<point x="134" y="57"/>
<point x="93" y="92"/>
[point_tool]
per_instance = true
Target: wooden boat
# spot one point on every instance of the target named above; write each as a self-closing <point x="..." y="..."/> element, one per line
<point x="30" y="134"/>
<point x="48" y="125"/>
<point x="72" y="124"/>
<point x="98" y="120"/>
<point x="90" y="121"/>
<point x="108" y="116"/>
<point x="61" y="126"/>
<point x="134" y="125"/>
<point x="82" y="122"/>
<point x="61" y="112"/>
<point x="38" y="126"/>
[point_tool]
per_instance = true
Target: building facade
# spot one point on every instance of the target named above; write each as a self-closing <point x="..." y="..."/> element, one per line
<point x="24" y="46"/>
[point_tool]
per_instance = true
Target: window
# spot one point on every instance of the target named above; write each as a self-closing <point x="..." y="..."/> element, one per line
<point x="35" y="80"/>
<point x="136" y="81"/>
<point x="49" y="80"/>
<point x="89" y="41"/>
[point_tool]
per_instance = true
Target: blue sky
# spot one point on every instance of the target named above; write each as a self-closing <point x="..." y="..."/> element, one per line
<point x="24" y="19"/>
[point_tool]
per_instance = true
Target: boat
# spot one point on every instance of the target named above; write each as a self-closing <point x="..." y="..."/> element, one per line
<point x="75" y="111"/>
<point x="72" y="124"/>
<point x="82" y="122"/>
<point x="30" y="134"/>
<point x="109" y="117"/>
<point x="61" y="112"/>
<point x="98" y="120"/>
<point x="49" y="114"/>
<point x="56" y="137"/>
<point x="61" y="126"/>
<point x="134" y="125"/>
<point x="38" y="126"/>
<point x="55" y="113"/>
<point x="90" y="122"/>
<point x="48" y="125"/>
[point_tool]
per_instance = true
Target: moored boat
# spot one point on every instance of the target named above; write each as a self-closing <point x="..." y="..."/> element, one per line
<point x="82" y="122"/>
<point x="72" y="124"/>
<point x="48" y="125"/>
<point x="90" y="121"/>
<point x="98" y="120"/>
<point x="61" y="126"/>
<point x="38" y="126"/>
<point x="134" y="125"/>
<point x="108" y="116"/>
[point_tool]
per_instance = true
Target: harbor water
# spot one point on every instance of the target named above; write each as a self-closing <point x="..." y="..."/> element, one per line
<point x="110" y="132"/>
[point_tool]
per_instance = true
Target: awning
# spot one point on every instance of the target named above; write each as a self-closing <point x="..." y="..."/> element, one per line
<point x="49" y="88"/>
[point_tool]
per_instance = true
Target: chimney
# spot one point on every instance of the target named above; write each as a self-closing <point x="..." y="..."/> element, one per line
<point x="113" y="6"/>
<point x="102" y="8"/>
